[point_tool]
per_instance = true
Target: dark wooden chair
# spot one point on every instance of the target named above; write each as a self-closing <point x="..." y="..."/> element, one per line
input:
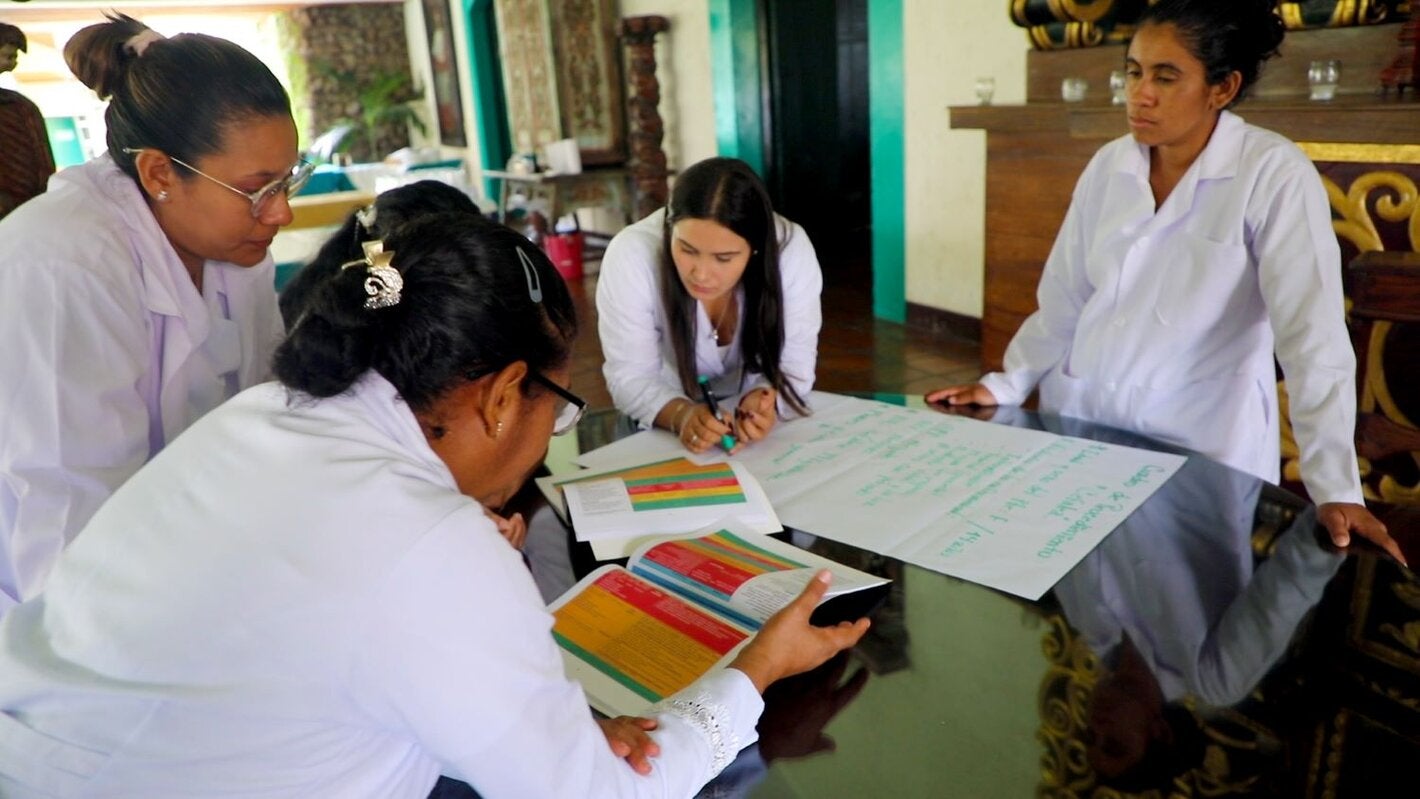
<point x="1384" y="290"/>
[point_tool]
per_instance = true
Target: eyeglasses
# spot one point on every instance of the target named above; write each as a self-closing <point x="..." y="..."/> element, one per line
<point x="261" y="198"/>
<point x="571" y="410"/>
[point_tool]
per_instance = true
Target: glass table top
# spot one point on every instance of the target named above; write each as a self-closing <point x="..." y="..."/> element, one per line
<point x="1201" y="648"/>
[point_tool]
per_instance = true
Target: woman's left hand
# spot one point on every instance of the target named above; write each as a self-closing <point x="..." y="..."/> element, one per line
<point x="628" y="739"/>
<point x="512" y="528"/>
<point x="1343" y="518"/>
<point x="757" y="413"/>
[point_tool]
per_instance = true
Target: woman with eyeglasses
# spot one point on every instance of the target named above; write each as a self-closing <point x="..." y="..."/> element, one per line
<point x="137" y="292"/>
<point x="715" y="286"/>
<point x="323" y="609"/>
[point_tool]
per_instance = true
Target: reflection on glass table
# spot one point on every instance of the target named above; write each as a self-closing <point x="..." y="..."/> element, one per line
<point x="1179" y="652"/>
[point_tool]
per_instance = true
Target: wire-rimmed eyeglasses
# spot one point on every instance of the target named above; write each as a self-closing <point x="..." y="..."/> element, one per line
<point x="260" y="199"/>
<point x="571" y="410"/>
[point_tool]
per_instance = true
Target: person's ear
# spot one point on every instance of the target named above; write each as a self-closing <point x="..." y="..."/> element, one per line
<point x="505" y="398"/>
<point x="156" y="172"/>
<point x="1222" y="93"/>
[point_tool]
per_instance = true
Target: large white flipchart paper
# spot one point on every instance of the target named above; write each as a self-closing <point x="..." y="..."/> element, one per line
<point x="1006" y="507"/>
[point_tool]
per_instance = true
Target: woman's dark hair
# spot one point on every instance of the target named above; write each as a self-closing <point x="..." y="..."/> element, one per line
<point x="465" y="310"/>
<point x="728" y="192"/>
<point x="13" y="36"/>
<point x="1166" y="758"/>
<point x="1226" y="35"/>
<point x="178" y="95"/>
<point x="390" y="210"/>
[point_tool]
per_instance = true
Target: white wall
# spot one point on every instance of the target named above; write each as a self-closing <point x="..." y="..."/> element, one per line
<point x="683" y="68"/>
<point x="946" y="46"/>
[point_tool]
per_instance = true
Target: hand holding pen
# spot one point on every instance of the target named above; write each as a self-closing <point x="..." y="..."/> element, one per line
<point x="727" y="438"/>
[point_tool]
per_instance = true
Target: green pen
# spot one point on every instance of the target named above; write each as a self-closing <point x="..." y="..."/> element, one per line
<point x="727" y="441"/>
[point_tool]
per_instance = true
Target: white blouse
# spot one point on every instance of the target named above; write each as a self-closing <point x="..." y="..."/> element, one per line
<point x="640" y="365"/>
<point x="1166" y="323"/>
<point x="110" y="352"/>
<point x="292" y="600"/>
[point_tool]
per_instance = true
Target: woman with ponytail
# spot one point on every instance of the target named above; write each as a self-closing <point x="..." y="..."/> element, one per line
<point x="1195" y="249"/>
<point x="137" y="290"/>
<point x="714" y="285"/>
<point x="301" y="595"/>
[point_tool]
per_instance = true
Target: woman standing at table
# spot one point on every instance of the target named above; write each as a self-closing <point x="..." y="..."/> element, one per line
<point x="138" y="290"/>
<point x="323" y="609"/>
<point x="1193" y="250"/>
<point x="714" y="285"/>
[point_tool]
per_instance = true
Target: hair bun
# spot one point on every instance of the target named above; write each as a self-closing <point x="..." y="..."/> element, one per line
<point x="99" y="55"/>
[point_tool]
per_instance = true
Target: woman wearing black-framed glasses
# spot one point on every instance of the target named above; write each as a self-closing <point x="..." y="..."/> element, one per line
<point x="138" y="291"/>
<point x="324" y="609"/>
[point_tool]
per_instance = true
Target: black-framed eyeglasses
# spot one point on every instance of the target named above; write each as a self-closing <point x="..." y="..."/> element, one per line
<point x="571" y="410"/>
<point x="260" y="199"/>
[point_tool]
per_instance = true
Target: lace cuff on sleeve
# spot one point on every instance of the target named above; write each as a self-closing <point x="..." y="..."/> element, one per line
<point x="711" y="719"/>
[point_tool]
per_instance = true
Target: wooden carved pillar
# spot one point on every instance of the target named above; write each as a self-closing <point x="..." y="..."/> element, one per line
<point x="646" y="130"/>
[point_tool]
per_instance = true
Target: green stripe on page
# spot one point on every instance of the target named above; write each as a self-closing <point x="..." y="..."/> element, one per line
<point x="606" y="668"/>
<point x="689" y="502"/>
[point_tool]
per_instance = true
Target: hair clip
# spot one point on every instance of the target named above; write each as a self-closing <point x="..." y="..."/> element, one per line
<point x="138" y="42"/>
<point x="530" y="271"/>
<point x="366" y="217"/>
<point x="383" y="282"/>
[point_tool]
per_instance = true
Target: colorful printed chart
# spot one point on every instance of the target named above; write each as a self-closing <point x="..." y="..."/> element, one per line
<point x="717" y="564"/>
<point x="646" y="639"/>
<point x="678" y="483"/>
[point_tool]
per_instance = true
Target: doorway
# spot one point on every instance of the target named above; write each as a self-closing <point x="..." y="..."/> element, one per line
<point x="816" y="127"/>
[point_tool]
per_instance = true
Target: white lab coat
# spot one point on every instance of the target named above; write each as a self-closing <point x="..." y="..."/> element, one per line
<point x="109" y="353"/>
<point x="1166" y="323"/>
<point x="1177" y="577"/>
<point x="294" y="600"/>
<point x="631" y="320"/>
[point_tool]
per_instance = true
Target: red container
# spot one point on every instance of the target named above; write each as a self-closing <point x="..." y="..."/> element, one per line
<point x="565" y="252"/>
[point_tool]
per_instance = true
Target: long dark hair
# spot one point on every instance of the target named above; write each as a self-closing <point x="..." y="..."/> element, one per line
<point x="728" y="192"/>
<point x="390" y="210"/>
<point x="1226" y="35"/>
<point x="465" y="310"/>
<point x="177" y="95"/>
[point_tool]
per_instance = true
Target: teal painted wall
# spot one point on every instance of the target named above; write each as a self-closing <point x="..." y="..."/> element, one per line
<point x="734" y="46"/>
<point x="485" y="78"/>
<point x="735" y="59"/>
<point x="885" y="77"/>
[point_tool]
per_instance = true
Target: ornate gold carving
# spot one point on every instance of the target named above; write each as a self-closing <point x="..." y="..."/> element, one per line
<point x="1398" y="203"/>
<point x="1359" y="153"/>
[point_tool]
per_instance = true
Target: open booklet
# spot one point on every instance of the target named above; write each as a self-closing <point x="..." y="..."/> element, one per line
<point x="684" y="605"/>
<point x="618" y="509"/>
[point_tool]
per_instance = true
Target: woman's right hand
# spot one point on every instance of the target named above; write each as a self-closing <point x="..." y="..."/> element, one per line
<point x="789" y="645"/>
<point x="702" y="430"/>
<point x="969" y="394"/>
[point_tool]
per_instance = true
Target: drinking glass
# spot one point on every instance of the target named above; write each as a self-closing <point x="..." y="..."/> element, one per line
<point x="985" y="88"/>
<point x="1117" y="83"/>
<point x="1323" y="77"/>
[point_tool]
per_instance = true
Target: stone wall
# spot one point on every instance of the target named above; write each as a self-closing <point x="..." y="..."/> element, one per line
<point x="350" y="63"/>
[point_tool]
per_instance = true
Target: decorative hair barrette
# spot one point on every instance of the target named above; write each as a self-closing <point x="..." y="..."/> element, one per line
<point x="366" y="217"/>
<point x="382" y="282"/>
<point x="138" y="42"/>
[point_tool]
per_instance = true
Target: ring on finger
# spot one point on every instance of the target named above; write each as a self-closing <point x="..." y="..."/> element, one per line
<point x="695" y="438"/>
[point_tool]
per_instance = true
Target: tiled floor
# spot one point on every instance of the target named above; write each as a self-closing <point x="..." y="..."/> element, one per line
<point x="855" y="352"/>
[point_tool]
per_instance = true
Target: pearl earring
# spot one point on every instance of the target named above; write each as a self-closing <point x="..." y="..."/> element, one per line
<point x="498" y="431"/>
<point x="163" y="196"/>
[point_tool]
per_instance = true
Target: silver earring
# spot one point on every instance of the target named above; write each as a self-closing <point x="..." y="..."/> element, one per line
<point x="163" y="196"/>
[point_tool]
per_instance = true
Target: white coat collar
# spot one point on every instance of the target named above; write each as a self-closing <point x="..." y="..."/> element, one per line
<point x="1219" y="158"/>
<point x="1218" y="161"/>
<point x="382" y="408"/>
